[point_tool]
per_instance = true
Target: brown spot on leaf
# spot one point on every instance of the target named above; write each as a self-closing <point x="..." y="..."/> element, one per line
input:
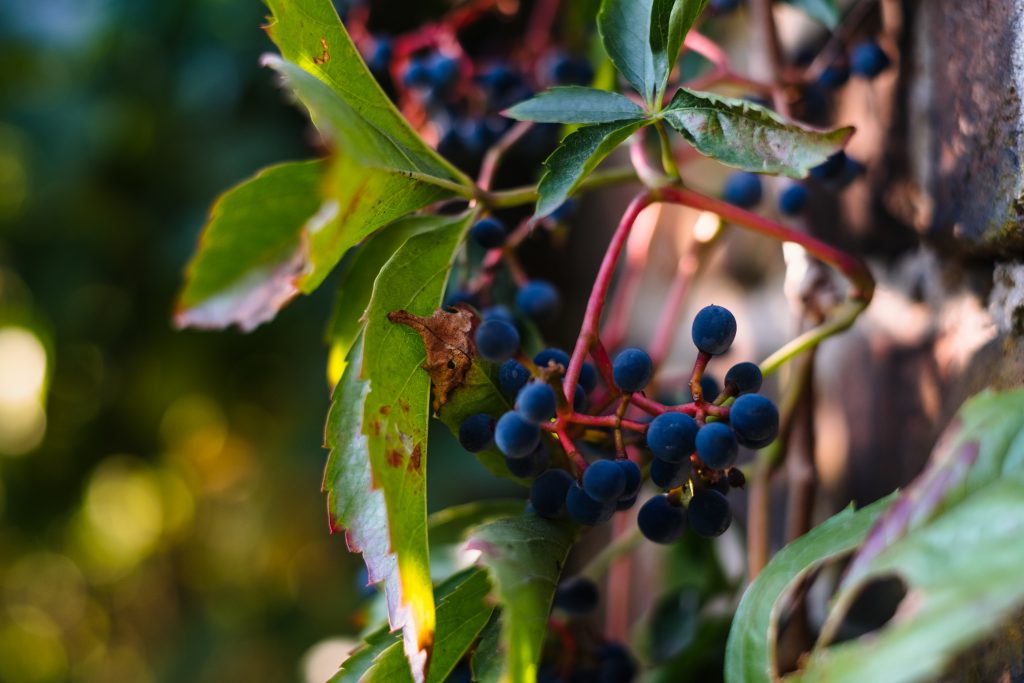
<point x="374" y="427"/>
<point x="394" y="458"/>
<point x="325" y="56"/>
<point x="448" y="338"/>
<point x="416" y="460"/>
<point x="385" y="410"/>
<point x="403" y="405"/>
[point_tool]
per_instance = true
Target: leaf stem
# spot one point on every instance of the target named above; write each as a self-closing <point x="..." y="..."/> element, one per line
<point x="668" y="160"/>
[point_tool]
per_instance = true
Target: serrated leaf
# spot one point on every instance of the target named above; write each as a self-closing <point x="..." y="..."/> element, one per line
<point x="750" y="652"/>
<point x="362" y="658"/>
<point x="574" y="159"/>
<point x="625" y="28"/>
<point x="574" y="104"/>
<point x="747" y="136"/>
<point x="249" y="255"/>
<point x="524" y="556"/>
<point x="671" y="20"/>
<point x="824" y="11"/>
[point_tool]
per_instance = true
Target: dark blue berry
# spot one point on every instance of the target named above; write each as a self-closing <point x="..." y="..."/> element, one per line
<point x="724" y="6"/>
<point x="516" y="437"/>
<point x="380" y="58"/>
<point x="417" y="74"/>
<point x="868" y="59"/>
<point x="532" y="465"/>
<point x="536" y="402"/>
<point x="489" y="233"/>
<point x="444" y="71"/>
<point x="616" y="664"/>
<point x="538" y="300"/>
<point x="716" y="445"/>
<point x="744" y="378"/>
<point x="625" y="503"/>
<point x="834" y="76"/>
<point x="579" y="400"/>
<point x="577" y="595"/>
<point x="672" y="436"/>
<point x="755" y="420"/>
<point x="709" y="387"/>
<point x="631" y="471"/>
<point x="567" y="70"/>
<point x="668" y="475"/>
<point x="498" y="312"/>
<point x="563" y="211"/>
<point x="476" y="433"/>
<point x="831" y="168"/>
<point x="632" y="369"/>
<point x="713" y="330"/>
<point x="709" y="513"/>
<point x="793" y="199"/>
<point x="742" y="189"/>
<point x="512" y="376"/>
<point x="604" y="481"/>
<point x="588" y="377"/>
<point x="584" y="509"/>
<point x="461" y="296"/>
<point x="544" y="358"/>
<point x="661" y="521"/>
<point x="547" y="494"/>
<point x="500" y="78"/>
<point x="497" y="340"/>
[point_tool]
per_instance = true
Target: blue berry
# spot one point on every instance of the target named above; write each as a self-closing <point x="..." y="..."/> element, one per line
<point x="489" y="233"/>
<point x="742" y="189"/>
<point x="566" y="70"/>
<point x="544" y="358"/>
<point x="631" y="471"/>
<point x="616" y="665"/>
<point x="709" y="513"/>
<point x="380" y="58"/>
<point x="532" y="465"/>
<point x="538" y="300"/>
<point x="672" y="436"/>
<point x="584" y="509"/>
<point x="793" y="199"/>
<point x="460" y="296"/>
<point x="716" y="445"/>
<point x="604" y="481"/>
<point x="444" y="71"/>
<point x="577" y="595"/>
<point x="744" y="378"/>
<point x="564" y="210"/>
<point x="512" y="376"/>
<point x="834" y="76"/>
<point x="498" y="312"/>
<point x="755" y="419"/>
<point x="536" y="402"/>
<point x="588" y="377"/>
<point x="626" y="503"/>
<point x="868" y="59"/>
<point x="724" y="6"/>
<point x="713" y="330"/>
<point x="547" y="494"/>
<point x="661" y="521"/>
<point x="632" y="369"/>
<point x="497" y="340"/>
<point x="476" y="433"/>
<point x="668" y="475"/>
<point x="417" y="74"/>
<point x="709" y="387"/>
<point x="516" y="437"/>
<point x="579" y="400"/>
<point x="830" y="168"/>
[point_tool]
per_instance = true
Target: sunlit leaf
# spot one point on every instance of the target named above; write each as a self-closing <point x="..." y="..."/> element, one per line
<point x="574" y="104"/>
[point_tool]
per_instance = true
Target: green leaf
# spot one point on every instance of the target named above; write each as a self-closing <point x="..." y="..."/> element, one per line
<point x="574" y="104"/>
<point x="487" y="663"/>
<point x="450" y="525"/>
<point x="747" y="136"/>
<point x="250" y="255"/>
<point x="671" y="20"/>
<point x="574" y="159"/>
<point x="362" y="658"/>
<point x="625" y="28"/>
<point x="750" y="652"/>
<point x="824" y="11"/>
<point x="525" y="556"/>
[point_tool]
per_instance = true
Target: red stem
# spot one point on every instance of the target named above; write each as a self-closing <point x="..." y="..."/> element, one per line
<point x="606" y="421"/>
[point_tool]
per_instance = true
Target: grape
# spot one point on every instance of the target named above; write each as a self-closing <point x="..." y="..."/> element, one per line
<point x="543" y="358"/>
<point x="724" y="6"/>
<point x="489" y="233"/>
<point x="672" y="436"/>
<point x="417" y="74"/>
<point x="868" y="59"/>
<point x="584" y="509"/>
<point x="632" y="369"/>
<point x="716" y="445"/>
<point x="604" y="481"/>
<point x="497" y="340"/>
<point x="661" y="521"/>
<point x="538" y="300"/>
<point x="476" y="433"/>
<point x="564" y="210"/>
<point x="834" y="76"/>
<point x="588" y="377"/>
<point x="631" y="471"/>
<point x="709" y="513"/>
<point x="626" y="503"/>
<point x="831" y="168"/>
<point x="380" y="58"/>
<point x="547" y="494"/>
<point x="709" y="388"/>
<point x="461" y="296"/>
<point x="577" y="595"/>
<point x="755" y="419"/>
<point x="444" y="71"/>
<point x="579" y="400"/>
<point x="714" y="328"/>
<point x="742" y="189"/>
<point x="536" y="403"/>
<point x="532" y="465"/>
<point x="498" y="312"/>
<point x="616" y="665"/>
<point x="566" y="70"/>
<point x="668" y="475"/>
<point x="744" y="378"/>
<point x="793" y="199"/>
<point x="512" y="376"/>
<point x="516" y="437"/>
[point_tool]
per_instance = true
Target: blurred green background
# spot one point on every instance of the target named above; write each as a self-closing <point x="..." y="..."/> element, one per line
<point x="160" y="514"/>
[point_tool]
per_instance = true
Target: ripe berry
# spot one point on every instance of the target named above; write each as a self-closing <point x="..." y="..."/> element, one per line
<point x="709" y="387"/>
<point x="544" y="358"/>
<point x="536" y="402"/>
<point x="604" y="481"/>
<point x="668" y="475"/>
<point x="744" y="378"/>
<point x="632" y="369"/>
<point x="489" y="233"/>
<point x="631" y="471"/>
<point x="716" y="445"/>
<point x="672" y="436"/>
<point x="830" y="168"/>
<point x="793" y="199"/>
<point x="625" y="503"/>
<point x="547" y="494"/>
<point x="444" y="71"/>
<point x="476" y="433"/>
<point x="498" y="312"/>
<point x="567" y="70"/>
<point x="584" y="509"/>
<point x="564" y="210"/>
<point x="460" y="296"/>
<point x="512" y="376"/>
<point x="661" y="521"/>
<point x="516" y="437"/>
<point x="742" y="189"/>
<point x="579" y="400"/>
<point x="417" y="74"/>
<point x="577" y="595"/>
<point x="709" y="513"/>
<point x="497" y="340"/>
<point x="532" y="465"/>
<point x="380" y="58"/>
<point x="588" y="377"/>
<point x="868" y="59"/>
<point x="616" y="664"/>
<point x="755" y="420"/>
<point x="538" y="300"/>
<point x="834" y="76"/>
<point x="713" y="330"/>
<point x="724" y="6"/>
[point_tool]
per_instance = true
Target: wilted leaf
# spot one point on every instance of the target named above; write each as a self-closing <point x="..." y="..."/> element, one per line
<point x="448" y="341"/>
<point x="576" y="105"/>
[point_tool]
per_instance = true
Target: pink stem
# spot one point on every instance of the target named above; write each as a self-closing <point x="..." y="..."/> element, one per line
<point x="606" y="421"/>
